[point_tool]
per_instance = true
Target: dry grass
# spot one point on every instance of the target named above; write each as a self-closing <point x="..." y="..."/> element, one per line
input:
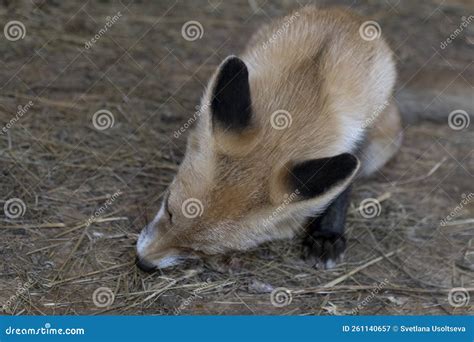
<point x="64" y="170"/>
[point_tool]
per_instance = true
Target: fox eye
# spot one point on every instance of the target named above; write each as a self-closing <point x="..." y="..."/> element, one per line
<point x="170" y="215"/>
<point x="167" y="208"/>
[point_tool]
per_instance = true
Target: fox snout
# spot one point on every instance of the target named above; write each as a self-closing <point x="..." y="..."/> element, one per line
<point x="152" y="249"/>
<point x="165" y="261"/>
<point x="144" y="265"/>
<point x="154" y="256"/>
<point x="152" y="252"/>
<point x="157" y="247"/>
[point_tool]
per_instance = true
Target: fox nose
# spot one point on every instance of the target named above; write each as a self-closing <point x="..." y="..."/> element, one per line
<point x="144" y="265"/>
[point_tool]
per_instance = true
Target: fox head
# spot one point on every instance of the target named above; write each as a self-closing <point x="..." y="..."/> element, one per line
<point x="241" y="181"/>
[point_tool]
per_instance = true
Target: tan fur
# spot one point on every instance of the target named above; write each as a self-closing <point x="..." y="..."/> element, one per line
<point x="331" y="82"/>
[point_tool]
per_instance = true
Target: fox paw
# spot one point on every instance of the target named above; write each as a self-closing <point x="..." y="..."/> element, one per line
<point x="323" y="249"/>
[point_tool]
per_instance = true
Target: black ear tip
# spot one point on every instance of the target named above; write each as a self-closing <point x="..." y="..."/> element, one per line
<point x="345" y="161"/>
<point x="234" y="64"/>
<point x="348" y="160"/>
<point x="231" y="101"/>
<point x="316" y="176"/>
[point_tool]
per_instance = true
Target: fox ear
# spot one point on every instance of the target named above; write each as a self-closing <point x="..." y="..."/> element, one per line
<point x="322" y="178"/>
<point x="231" y="105"/>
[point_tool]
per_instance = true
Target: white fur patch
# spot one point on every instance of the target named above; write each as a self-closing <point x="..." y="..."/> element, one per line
<point x="351" y="133"/>
<point x="159" y="215"/>
<point x="167" y="261"/>
<point x="149" y="232"/>
<point x="143" y="241"/>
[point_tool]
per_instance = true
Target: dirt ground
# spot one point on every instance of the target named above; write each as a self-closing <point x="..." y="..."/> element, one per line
<point x="58" y="170"/>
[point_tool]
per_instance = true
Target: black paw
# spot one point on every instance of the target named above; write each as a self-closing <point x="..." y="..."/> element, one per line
<point x="323" y="249"/>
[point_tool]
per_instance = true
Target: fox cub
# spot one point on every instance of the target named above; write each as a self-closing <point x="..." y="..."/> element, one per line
<point x="283" y="130"/>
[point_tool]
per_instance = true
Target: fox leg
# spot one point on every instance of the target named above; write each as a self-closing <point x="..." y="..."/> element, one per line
<point x="325" y="243"/>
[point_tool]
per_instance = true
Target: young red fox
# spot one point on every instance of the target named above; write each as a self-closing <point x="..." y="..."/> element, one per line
<point x="283" y="131"/>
